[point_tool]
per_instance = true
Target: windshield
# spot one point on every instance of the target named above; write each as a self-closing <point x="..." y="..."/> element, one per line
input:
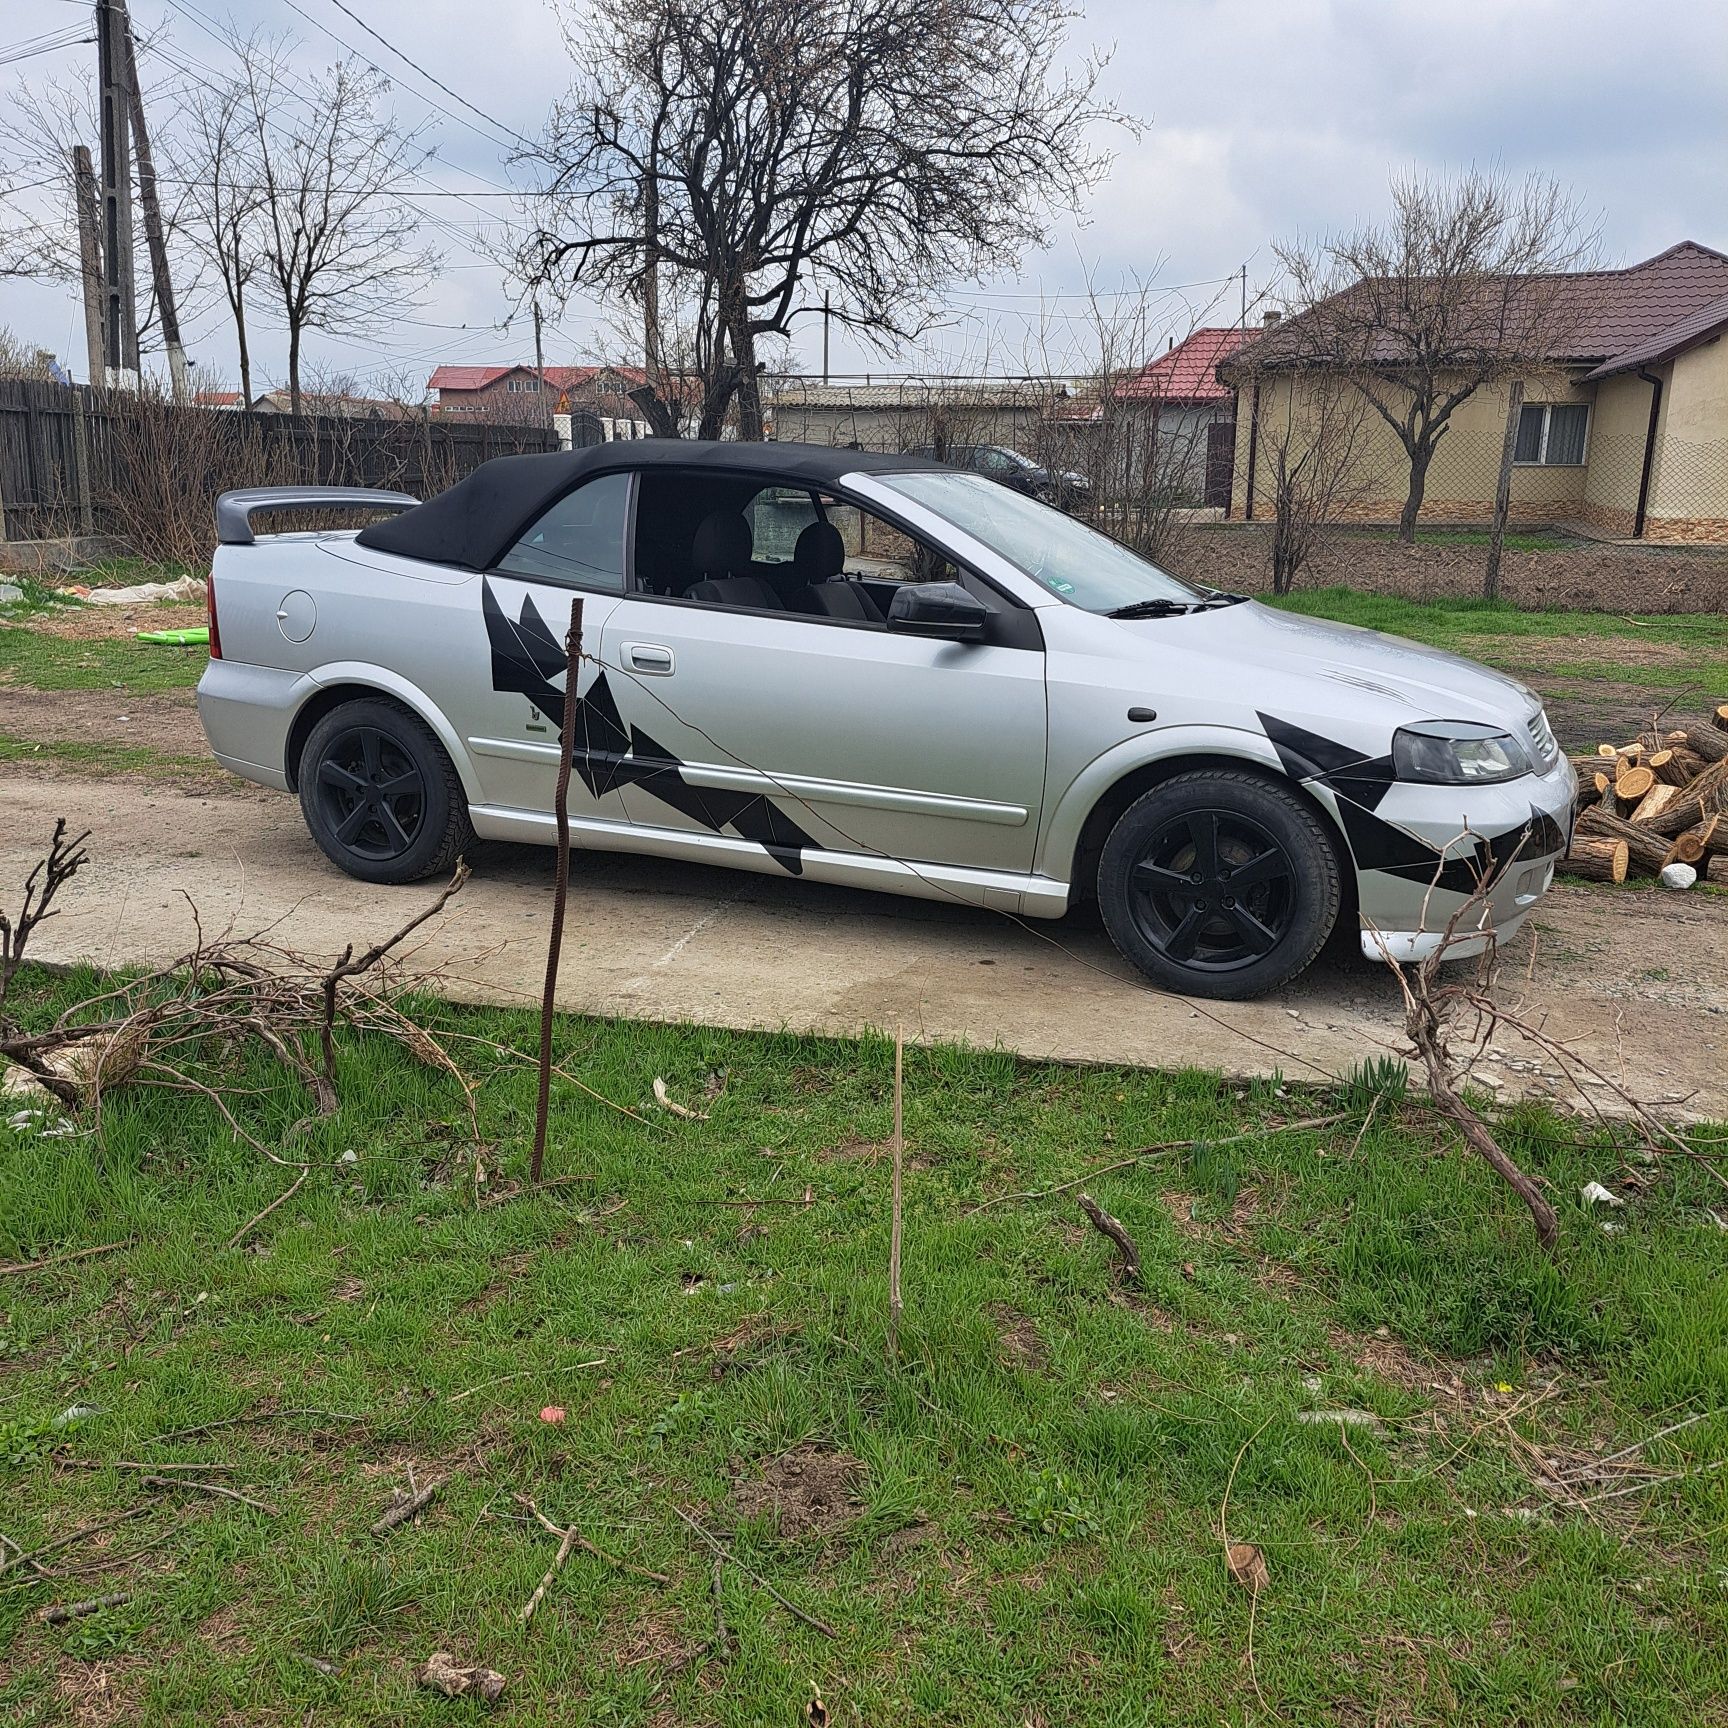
<point x="1076" y="563"/>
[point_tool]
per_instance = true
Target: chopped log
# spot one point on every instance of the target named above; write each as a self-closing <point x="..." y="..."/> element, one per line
<point x="1712" y="834"/>
<point x="1707" y="742"/>
<point x="1597" y="860"/>
<point x="1646" y="846"/>
<point x="1688" y="848"/>
<point x="1630" y="784"/>
<point x="1720" y="718"/>
<point x="1609" y="750"/>
<point x="1655" y="801"/>
<point x="1704" y="796"/>
<point x="1679" y="766"/>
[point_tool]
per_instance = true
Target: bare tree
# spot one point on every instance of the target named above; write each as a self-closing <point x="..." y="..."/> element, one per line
<point x="1311" y="441"/>
<point x="216" y="154"/>
<point x="868" y="150"/>
<point x="1463" y="286"/>
<point x="1140" y="446"/>
<point x="336" y="225"/>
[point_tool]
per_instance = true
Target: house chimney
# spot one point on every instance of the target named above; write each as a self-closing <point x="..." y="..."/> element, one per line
<point x="1268" y="319"/>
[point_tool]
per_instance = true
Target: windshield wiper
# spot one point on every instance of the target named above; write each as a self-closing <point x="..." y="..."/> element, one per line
<point x="1221" y="597"/>
<point x="1160" y="608"/>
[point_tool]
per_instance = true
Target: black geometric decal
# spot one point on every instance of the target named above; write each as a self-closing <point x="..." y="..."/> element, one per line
<point x="608" y="756"/>
<point x="1360" y="783"/>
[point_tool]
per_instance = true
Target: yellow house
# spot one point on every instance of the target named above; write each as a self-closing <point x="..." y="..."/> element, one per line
<point x="1624" y="434"/>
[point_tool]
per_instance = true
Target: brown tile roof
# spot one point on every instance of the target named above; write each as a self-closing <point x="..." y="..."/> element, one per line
<point x="461" y="378"/>
<point x="1607" y="313"/>
<point x="1617" y="310"/>
<point x="1711" y="319"/>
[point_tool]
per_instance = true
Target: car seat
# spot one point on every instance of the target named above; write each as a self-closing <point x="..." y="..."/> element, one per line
<point x="819" y="558"/>
<point x="718" y="553"/>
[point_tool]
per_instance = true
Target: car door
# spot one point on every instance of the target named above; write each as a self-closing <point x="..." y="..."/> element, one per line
<point x="511" y="713"/>
<point x="799" y="731"/>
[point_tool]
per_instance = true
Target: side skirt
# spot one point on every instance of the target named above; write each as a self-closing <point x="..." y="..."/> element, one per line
<point x="997" y="890"/>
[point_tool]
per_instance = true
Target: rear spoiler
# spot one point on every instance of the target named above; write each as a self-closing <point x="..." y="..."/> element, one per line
<point x="234" y="509"/>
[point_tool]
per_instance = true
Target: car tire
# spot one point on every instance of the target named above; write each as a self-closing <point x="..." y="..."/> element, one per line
<point x="380" y="795"/>
<point x="1220" y="883"/>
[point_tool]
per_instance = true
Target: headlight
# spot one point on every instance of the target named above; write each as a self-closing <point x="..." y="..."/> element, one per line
<point x="1457" y="753"/>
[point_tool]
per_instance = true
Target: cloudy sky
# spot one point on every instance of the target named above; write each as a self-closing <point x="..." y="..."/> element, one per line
<point x="1263" y="119"/>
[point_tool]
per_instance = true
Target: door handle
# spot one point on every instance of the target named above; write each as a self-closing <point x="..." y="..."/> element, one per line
<point x="650" y="657"/>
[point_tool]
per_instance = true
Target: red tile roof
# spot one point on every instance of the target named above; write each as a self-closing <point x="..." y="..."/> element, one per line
<point x="468" y="378"/>
<point x="1188" y="373"/>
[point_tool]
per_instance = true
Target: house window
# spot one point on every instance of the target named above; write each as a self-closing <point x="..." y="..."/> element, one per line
<point x="1551" y="434"/>
<point x="522" y="386"/>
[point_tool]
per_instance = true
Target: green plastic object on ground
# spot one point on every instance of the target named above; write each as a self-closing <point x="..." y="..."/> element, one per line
<point x="195" y="638"/>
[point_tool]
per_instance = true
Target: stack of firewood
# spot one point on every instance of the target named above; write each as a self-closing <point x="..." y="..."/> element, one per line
<point x="1660" y="800"/>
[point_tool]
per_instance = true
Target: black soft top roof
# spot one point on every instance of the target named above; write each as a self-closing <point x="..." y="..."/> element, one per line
<point x="478" y="519"/>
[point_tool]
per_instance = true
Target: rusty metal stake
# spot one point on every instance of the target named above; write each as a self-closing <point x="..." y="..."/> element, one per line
<point x="561" y="884"/>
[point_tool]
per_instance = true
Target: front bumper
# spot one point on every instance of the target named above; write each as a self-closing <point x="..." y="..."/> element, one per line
<point x="1452" y="867"/>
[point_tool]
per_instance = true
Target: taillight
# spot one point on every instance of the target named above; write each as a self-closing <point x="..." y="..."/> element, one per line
<point x="210" y="611"/>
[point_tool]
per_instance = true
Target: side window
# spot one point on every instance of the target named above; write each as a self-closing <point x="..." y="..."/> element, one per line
<point x="993" y="462"/>
<point x="878" y="552"/>
<point x="580" y="540"/>
<point x="778" y="515"/>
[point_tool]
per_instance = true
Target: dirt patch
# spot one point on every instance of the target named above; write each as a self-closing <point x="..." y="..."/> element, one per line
<point x="95" y="1694"/>
<point x="167" y="722"/>
<point x="1021" y="1345"/>
<point x="845" y="1151"/>
<point x="1388" y="1358"/>
<point x="807" y="1491"/>
<point x="222" y="1632"/>
<point x="633" y="1639"/>
<point x="1184" y="1208"/>
<point x="1583" y="573"/>
<point x="109" y="623"/>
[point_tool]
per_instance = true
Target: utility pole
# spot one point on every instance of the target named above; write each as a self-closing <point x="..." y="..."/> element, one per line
<point x="540" y="362"/>
<point x="652" y="357"/>
<point x="89" y="257"/>
<point x="153" y="234"/>
<point x="119" y="306"/>
<point x="825" y="312"/>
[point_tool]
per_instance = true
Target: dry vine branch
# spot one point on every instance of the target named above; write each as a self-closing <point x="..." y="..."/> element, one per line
<point x="62" y="861"/>
<point x="223" y="995"/>
<point x="1433" y="1013"/>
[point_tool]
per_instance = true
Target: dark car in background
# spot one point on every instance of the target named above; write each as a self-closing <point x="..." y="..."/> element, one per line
<point x="1061" y="487"/>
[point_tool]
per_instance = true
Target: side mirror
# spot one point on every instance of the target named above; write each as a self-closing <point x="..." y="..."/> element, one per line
<point x="940" y="609"/>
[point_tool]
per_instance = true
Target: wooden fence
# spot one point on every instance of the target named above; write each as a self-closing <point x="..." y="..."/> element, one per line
<point x="73" y="458"/>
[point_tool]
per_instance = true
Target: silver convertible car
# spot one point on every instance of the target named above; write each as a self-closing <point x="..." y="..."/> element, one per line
<point x="882" y="672"/>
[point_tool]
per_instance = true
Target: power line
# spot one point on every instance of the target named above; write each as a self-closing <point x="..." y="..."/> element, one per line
<point x="429" y="77"/>
<point x="510" y="137"/>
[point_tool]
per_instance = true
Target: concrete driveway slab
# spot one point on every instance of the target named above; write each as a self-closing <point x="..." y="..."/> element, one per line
<point x="1638" y="984"/>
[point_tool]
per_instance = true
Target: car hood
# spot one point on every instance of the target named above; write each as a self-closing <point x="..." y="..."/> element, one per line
<point x="1400" y="680"/>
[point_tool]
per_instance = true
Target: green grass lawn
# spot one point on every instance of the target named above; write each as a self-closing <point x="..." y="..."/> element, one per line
<point x="1018" y="1519"/>
<point x="44" y="662"/>
<point x="1560" y="651"/>
<point x="1527" y="540"/>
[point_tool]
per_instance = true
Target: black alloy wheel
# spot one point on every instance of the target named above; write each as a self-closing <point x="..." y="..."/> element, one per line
<point x="371" y="793"/>
<point x="379" y="793"/>
<point x="1213" y="889"/>
<point x="1221" y="882"/>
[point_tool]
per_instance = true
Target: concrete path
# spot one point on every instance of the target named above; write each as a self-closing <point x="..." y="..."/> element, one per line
<point x="1638" y="984"/>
